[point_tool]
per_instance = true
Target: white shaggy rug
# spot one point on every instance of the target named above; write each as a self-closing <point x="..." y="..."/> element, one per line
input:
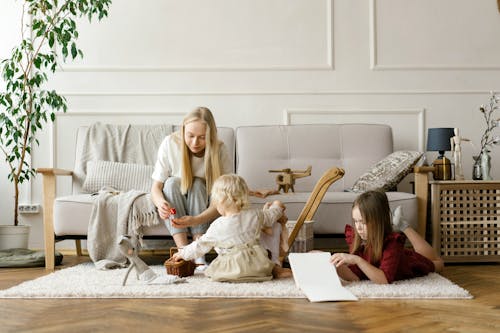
<point x="84" y="281"/>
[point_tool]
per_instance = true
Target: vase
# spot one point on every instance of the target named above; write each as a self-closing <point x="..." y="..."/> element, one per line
<point x="485" y="165"/>
<point x="476" y="168"/>
<point x="14" y="236"/>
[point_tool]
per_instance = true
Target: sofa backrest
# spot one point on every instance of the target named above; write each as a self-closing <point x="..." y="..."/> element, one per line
<point x="354" y="147"/>
<point x="226" y="134"/>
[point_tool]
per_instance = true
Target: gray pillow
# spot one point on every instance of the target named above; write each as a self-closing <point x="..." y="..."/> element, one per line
<point x="387" y="173"/>
<point x="120" y="176"/>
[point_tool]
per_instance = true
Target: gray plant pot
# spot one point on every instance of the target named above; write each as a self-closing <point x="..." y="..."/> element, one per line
<point x="14" y="237"/>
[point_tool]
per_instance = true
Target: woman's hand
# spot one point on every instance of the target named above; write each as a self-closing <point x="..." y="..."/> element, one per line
<point x="184" y="221"/>
<point x="162" y="205"/>
<point x="339" y="259"/>
<point x="164" y="210"/>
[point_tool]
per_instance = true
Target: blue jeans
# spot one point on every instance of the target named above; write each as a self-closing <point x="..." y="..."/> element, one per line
<point x="192" y="203"/>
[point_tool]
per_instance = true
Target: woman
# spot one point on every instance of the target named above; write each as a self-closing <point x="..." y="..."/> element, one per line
<point x="189" y="161"/>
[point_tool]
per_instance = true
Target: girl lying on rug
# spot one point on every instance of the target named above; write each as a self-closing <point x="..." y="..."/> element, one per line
<point x="376" y="252"/>
<point x="236" y="236"/>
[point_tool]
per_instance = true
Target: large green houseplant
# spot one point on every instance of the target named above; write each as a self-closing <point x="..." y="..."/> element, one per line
<point x="48" y="36"/>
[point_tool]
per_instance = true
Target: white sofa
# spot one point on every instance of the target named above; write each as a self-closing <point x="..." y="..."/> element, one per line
<point x="256" y="149"/>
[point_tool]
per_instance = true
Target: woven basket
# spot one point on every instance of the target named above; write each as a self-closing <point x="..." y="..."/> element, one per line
<point x="181" y="268"/>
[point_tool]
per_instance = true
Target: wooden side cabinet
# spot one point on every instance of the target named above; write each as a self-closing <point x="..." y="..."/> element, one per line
<point x="466" y="220"/>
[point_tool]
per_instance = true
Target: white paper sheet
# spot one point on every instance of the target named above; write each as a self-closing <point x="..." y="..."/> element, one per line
<point x="317" y="277"/>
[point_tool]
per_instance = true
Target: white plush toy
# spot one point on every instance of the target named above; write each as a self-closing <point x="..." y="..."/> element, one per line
<point x="143" y="271"/>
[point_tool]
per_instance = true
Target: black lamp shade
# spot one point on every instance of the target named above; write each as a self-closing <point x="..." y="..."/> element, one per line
<point x="438" y="139"/>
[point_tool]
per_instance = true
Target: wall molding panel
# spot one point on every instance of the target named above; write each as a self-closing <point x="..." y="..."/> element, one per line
<point x="230" y="59"/>
<point x="452" y="64"/>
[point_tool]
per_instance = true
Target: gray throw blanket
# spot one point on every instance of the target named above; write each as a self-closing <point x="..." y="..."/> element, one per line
<point x="120" y="143"/>
<point x="115" y="214"/>
<point x="118" y="213"/>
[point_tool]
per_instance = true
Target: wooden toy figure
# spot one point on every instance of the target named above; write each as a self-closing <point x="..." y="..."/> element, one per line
<point x="287" y="178"/>
<point x="456" y="148"/>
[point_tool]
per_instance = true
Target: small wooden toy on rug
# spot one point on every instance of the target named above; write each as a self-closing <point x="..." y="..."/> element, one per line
<point x="286" y="179"/>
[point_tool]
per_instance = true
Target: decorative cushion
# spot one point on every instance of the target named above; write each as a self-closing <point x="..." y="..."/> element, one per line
<point x="387" y="173"/>
<point x="120" y="176"/>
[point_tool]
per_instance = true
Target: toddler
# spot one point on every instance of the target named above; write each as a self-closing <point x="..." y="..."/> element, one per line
<point x="237" y="226"/>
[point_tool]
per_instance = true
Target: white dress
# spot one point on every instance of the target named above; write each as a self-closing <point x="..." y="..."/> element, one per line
<point x="241" y="228"/>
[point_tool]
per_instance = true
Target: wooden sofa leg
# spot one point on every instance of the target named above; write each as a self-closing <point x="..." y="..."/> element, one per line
<point x="329" y="177"/>
<point x="78" y="244"/>
<point x="50" y="253"/>
<point x="49" y="186"/>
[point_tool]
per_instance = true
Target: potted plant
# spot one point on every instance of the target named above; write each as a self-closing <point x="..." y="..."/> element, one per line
<point x="48" y="30"/>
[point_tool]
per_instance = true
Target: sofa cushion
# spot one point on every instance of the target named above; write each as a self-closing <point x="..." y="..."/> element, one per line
<point x="124" y="143"/>
<point x="387" y="173"/>
<point x="120" y="176"/>
<point x="334" y="212"/>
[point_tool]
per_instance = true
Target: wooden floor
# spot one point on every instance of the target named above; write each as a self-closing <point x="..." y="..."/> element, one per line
<point x="481" y="314"/>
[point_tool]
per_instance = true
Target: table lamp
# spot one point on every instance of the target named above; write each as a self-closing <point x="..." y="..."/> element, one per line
<point x="438" y="139"/>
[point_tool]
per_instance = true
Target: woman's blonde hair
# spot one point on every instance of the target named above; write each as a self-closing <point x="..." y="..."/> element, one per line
<point x="230" y="190"/>
<point x="375" y="211"/>
<point x="213" y="165"/>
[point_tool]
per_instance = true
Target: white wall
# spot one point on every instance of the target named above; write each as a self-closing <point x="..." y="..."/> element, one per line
<point x="411" y="64"/>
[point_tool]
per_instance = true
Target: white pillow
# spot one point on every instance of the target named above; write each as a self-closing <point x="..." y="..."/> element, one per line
<point x="388" y="172"/>
<point x="120" y="176"/>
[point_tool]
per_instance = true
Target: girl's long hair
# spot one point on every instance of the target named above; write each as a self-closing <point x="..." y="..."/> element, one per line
<point x="375" y="211"/>
<point x="213" y="167"/>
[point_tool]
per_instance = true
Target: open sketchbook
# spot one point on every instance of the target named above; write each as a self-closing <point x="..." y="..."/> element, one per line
<point x="317" y="277"/>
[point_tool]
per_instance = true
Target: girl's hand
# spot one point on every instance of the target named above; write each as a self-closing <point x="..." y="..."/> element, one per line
<point x="177" y="256"/>
<point x="339" y="259"/>
<point x="283" y="219"/>
<point x="279" y="204"/>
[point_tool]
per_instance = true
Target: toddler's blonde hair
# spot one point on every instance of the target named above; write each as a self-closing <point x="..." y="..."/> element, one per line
<point x="230" y="190"/>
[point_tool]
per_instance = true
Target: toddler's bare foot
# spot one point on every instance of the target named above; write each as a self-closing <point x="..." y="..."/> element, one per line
<point x="281" y="273"/>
